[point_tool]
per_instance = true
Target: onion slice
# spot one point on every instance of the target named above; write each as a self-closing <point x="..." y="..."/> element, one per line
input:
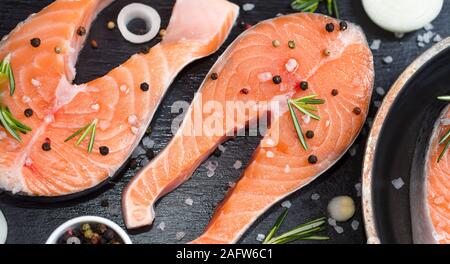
<point x="3" y="228"/>
<point x="139" y="11"/>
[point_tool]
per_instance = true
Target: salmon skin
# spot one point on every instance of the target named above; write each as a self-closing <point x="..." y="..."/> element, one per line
<point x="121" y="103"/>
<point x="267" y="63"/>
<point x="431" y="203"/>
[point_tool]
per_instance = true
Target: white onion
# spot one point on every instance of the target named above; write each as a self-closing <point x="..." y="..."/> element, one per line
<point x="3" y="228"/>
<point x="402" y="16"/>
<point x="139" y="11"/>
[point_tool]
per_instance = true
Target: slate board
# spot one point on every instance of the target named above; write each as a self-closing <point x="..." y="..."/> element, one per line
<point x="32" y="222"/>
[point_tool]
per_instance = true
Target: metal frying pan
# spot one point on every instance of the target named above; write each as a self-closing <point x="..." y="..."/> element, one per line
<point x="397" y="147"/>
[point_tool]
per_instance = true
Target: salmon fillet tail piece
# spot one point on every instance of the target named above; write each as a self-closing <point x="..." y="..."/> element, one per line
<point x="121" y="104"/>
<point x="336" y="66"/>
<point x="430" y="210"/>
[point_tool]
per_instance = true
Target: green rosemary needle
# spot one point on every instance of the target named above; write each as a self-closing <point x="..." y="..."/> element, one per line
<point x="84" y="131"/>
<point x="306" y="105"/>
<point x="307" y="231"/>
<point x="11" y="124"/>
<point x="6" y="72"/>
<point x="311" y="6"/>
<point x="446" y="137"/>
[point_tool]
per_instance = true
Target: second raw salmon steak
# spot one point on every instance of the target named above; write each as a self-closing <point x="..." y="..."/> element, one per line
<point x="311" y="73"/>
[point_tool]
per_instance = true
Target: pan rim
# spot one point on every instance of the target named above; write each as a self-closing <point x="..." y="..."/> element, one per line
<point x="378" y="124"/>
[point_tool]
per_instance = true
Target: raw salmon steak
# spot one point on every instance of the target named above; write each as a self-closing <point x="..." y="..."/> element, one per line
<point x="288" y="57"/>
<point x="43" y="52"/>
<point x="431" y="211"/>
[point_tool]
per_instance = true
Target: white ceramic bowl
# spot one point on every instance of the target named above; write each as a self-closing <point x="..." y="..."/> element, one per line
<point x="53" y="239"/>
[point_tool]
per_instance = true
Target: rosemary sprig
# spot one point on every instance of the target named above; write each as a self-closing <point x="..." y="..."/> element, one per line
<point x="311" y="6"/>
<point x="305" y="105"/>
<point x="7" y="73"/>
<point x="446" y="137"/>
<point x="307" y="231"/>
<point x="11" y="124"/>
<point x="84" y="131"/>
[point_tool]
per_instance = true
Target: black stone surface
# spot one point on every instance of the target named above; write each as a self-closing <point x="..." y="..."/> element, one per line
<point x="33" y="222"/>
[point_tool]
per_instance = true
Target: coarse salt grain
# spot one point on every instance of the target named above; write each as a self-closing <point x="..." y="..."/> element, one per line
<point x="355" y="225"/>
<point x="380" y="91"/>
<point x="352" y="151"/>
<point x="339" y="229"/>
<point x="26" y="99"/>
<point x="270" y="142"/>
<point x="210" y="173"/>
<point x="428" y="27"/>
<point x="148" y="143"/>
<point x="376" y="44"/>
<point x="315" y="196"/>
<point x="437" y="38"/>
<point x="35" y="83"/>
<point x="286" y="204"/>
<point x="135" y="130"/>
<point x="265" y="76"/>
<point x="49" y="119"/>
<point x="287" y="169"/>
<point x="28" y="161"/>
<point x="358" y="188"/>
<point x="306" y="119"/>
<point x="180" y="235"/>
<point x="388" y="59"/>
<point x="331" y="221"/>
<point x="123" y="89"/>
<point x="291" y="65"/>
<point x="270" y="154"/>
<point x="132" y="119"/>
<point x="162" y="226"/>
<point x="327" y="123"/>
<point x="260" y="237"/>
<point x="248" y="7"/>
<point x="398" y="183"/>
<point x="377" y="103"/>
<point x="237" y="164"/>
<point x="439" y="200"/>
<point x="189" y="201"/>
<point x="221" y="148"/>
<point x="231" y="184"/>
<point x="95" y="107"/>
<point x="2" y="135"/>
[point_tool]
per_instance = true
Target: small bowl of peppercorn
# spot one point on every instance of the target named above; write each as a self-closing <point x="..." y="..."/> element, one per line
<point x="89" y="230"/>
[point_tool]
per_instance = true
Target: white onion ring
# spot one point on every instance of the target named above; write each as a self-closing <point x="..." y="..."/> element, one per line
<point x="3" y="228"/>
<point x="140" y="11"/>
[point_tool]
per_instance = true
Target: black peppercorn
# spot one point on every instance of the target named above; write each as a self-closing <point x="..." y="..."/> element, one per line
<point x="145" y="50"/>
<point x="214" y="76"/>
<point x="46" y="146"/>
<point x="357" y="111"/>
<point x="104" y="203"/>
<point x="133" y="164"/>
<point x="150" y="154"/>
<point x="109" y="234"/>
<point x="28" y="112"/>
<point x="343" y="26"/>
<point x="217" y="152"/>
<point x="309" y="134"/>
<point x="277" y="79"/>
<point x="312" y="159"/>
<point x="334" y="92"/>
<point x="35" y="42"/>
<point x="145" y="87"/>
<point x="244" y="91"/>
<point x="81" y="31"/>
<point x="329" y="27"/>
<point x="104" y="150"/>
<point x="304" y="86"/>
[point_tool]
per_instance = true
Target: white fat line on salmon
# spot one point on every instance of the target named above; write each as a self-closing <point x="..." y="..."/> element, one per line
<point x="215" y="118"/>
<point x="193" y="254"/>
